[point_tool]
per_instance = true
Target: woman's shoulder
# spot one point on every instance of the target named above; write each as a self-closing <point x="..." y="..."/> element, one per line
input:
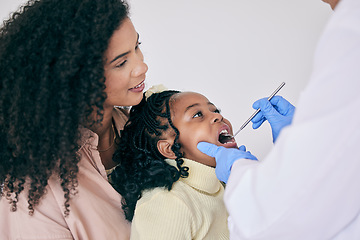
<point x="120" y="116"/>
<point x="123" y="112"/>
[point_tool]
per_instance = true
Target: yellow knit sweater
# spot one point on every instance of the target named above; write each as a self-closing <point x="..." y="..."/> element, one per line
<point x="193" y="209"/>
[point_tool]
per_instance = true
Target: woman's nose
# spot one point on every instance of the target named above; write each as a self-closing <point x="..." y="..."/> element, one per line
<point x="140" y="67"/>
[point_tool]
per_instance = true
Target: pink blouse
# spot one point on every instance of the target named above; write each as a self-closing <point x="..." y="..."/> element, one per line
<point x="95" y="211"/>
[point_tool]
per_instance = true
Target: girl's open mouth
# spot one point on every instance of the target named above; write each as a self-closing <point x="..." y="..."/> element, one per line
<point x="226" y="139"/>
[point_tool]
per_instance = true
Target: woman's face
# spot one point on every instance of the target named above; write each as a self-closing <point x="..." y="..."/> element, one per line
<point x="125" y="69"/>
<point x="197" y="120"/>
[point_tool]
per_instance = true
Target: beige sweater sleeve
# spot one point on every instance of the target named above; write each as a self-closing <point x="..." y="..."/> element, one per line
<point x="162" y="217"/>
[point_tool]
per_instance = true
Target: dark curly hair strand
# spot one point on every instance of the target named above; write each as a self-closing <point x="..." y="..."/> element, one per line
<point x="52" y="77"/>
<point x="141" y="165"/>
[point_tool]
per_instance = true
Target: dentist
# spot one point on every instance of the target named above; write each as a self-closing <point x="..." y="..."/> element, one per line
<point x="308" y="187"/>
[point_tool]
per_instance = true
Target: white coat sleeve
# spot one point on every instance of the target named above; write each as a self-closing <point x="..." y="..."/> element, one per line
<point x="308" y="187"/>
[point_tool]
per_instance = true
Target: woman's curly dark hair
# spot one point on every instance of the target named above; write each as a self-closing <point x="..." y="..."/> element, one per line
<point x="141" y="166"/>
<point x="52" y="77"/>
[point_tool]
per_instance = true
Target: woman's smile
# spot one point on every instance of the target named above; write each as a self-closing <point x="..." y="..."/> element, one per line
<point x="138" y="88"/>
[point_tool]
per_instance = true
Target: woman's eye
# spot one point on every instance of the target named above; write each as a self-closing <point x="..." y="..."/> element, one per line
<point x="198" y="114"/>
<point x="137" y="45"/>
<point x="121" y="64"/>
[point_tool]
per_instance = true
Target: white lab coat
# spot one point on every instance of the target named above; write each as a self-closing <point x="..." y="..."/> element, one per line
<point x="308" y="187"/>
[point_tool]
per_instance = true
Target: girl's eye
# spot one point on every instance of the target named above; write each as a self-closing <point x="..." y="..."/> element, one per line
<point x="217" y="110"/>
<point x="121" y="64"/>
<point x="198" y="114"/>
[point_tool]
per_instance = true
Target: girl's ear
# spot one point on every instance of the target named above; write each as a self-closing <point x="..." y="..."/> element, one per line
<point x="164" y="147"/>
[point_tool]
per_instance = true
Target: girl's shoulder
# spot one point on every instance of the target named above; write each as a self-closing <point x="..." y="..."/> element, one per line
<point x="166" y="200"/>
<point x="156" y="213"/>
<point x="179" y="194"/>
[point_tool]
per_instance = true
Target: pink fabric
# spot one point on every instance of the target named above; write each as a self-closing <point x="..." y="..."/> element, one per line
<point x="95" y="211"/>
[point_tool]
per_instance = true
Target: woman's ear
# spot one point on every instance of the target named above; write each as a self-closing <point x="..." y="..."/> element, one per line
<point x="164" y="147"/>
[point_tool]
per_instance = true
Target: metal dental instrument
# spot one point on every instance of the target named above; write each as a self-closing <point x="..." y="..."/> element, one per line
<point x="258" y="110"/>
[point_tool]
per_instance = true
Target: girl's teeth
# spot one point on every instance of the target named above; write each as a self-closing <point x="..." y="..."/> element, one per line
<point x="223" y="131"/>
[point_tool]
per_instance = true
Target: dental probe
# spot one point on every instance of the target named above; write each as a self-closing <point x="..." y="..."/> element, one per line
<point x="258" y="110"/>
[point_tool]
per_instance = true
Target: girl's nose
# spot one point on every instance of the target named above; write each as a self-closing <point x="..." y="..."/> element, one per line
<point x="217" y="117"/>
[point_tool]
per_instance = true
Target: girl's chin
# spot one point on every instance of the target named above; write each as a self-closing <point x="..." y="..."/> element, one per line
<point x="230" y="145"/>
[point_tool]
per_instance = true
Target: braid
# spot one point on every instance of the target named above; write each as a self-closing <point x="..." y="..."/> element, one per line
<point x="176" y="146"/>
<point x="141" y="165"/>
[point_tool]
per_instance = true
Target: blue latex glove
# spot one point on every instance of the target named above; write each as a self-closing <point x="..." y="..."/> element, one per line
<point x="225" y="157"/>
<point x="278" y="111"/>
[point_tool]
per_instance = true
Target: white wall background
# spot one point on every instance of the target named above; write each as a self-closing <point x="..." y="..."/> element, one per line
<point x="232" y="51"/>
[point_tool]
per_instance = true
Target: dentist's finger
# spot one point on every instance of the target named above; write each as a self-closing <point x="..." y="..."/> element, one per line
<point x="258" y="117"/>
<point x="242" y="148"/>
<point x="208" y="148"/>
<point x="256" y="125"/>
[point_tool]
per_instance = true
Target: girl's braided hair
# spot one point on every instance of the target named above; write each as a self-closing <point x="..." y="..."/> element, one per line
<point x="52" y="77"/>
<point x="141" y="166"/>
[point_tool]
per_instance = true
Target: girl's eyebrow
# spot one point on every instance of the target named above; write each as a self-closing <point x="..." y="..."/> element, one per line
<point x="124" y="54"/>
<point x="196" y="104"/>
<point x="191" y="106"/>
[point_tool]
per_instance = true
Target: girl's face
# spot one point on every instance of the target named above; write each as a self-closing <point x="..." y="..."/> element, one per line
<point x="198" y="120"/>
<point x="125" y="69"/>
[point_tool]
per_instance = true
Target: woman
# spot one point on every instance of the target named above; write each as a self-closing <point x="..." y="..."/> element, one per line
<point x="64" y="66"/>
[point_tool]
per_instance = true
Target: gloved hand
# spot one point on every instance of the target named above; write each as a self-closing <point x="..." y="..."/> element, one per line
<point x="225" y="157"/>
<point x="279" y="112"/>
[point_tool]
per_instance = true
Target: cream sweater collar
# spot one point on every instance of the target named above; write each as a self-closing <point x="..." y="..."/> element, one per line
<point x="201" y="177"/>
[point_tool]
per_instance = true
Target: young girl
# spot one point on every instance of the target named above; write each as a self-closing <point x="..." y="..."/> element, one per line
<point x="169" y="188"/>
